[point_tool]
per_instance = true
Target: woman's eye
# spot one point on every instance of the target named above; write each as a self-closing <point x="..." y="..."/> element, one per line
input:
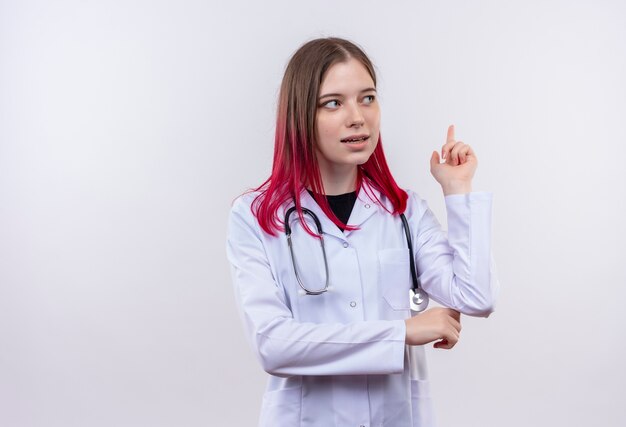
<point x="328" y="104"/>
<point x="371" y="98"/>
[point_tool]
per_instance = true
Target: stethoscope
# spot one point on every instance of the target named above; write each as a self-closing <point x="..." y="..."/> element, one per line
<point x="418" y="299"/>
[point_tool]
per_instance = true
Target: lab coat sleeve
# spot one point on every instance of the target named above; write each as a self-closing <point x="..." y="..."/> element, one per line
<point x="285" y="346"/>
<point x="457" y="269"/>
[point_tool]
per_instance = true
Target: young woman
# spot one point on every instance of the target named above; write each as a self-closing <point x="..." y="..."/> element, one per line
<point x="326" y="251"/>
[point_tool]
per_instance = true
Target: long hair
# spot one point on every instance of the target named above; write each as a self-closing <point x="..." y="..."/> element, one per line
<point x="295" y="164"/>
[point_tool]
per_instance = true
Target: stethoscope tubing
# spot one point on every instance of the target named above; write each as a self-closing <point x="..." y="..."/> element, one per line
<point x="418" y="298"/>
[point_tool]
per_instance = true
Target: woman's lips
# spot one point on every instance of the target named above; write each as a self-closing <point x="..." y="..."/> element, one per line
<point x="355" y="139"/>
<point x="357" y="144"/>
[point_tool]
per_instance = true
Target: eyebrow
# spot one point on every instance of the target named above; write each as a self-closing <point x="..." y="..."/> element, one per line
<point x="338" y="94"/>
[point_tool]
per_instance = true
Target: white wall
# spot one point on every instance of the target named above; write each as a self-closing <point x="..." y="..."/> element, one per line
<point x="127" y="127"/>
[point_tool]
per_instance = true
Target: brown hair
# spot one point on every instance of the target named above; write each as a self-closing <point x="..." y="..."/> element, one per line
<point x="295" y="164"/>
<point x="303" y="78"/>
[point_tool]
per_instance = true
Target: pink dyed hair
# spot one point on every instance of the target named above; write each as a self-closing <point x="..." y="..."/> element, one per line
<point x="295" y="164"/>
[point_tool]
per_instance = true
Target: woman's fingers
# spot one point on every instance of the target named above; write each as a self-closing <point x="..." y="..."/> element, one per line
<point x="452" y="333"/>
<point x="455" y="324"/>
<point x="449" y="143"/>
<point x="445" y="150"/>
<point x="439" y="324"/>
<point x="442" y="344"/>
<point x="454" y="314"/>
<point x="449" y="340"/>
<point x="455" y="152"/>
<point x="466" y="151"/>
<point x="450" y="136"/>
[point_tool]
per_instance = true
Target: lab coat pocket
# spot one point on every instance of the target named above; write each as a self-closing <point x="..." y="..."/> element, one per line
<point x="421" y="401"/>
<point x="395" y="277"/>
<point x="281" y="407"/>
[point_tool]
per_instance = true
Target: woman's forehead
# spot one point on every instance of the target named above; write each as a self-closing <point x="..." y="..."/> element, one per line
<point x="345" y="77"/>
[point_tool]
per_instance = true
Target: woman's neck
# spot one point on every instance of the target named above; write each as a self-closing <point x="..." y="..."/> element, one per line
<point x="339" y="179"/>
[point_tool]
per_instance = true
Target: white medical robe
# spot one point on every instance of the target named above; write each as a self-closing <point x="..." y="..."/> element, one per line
<point x="339" y="359"/>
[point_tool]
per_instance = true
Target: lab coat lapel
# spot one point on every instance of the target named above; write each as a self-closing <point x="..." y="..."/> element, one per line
<point x="328" y="226"/>
<point x="364" y="207"/>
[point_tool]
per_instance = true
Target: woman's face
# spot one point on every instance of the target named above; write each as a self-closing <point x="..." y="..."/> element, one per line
<point x="347" y="108"/>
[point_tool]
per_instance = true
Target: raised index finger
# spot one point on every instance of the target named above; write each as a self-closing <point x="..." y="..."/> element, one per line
<point x="450" y="137"/>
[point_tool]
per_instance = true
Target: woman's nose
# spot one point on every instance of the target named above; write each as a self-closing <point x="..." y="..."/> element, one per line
<point x="355" y="117"/>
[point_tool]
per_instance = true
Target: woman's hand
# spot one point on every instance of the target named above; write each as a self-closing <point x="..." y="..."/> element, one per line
<point x="455" y="175"/>
<point x="434" y="324"/>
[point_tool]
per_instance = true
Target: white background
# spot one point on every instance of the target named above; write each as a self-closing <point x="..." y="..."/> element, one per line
<point x="128" y="127"/>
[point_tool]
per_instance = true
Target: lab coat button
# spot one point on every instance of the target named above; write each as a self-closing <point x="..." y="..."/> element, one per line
<point x="352" y="304"/>
<point x="367" y="206"/>
<point x="345" y="244"/>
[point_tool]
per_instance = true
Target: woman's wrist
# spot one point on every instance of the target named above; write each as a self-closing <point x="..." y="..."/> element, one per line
<point x="461" y="187"/>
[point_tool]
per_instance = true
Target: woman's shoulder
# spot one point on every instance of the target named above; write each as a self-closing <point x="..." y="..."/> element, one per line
<point x="415" y="204"/>
<point x="414" y="200"/>
<point x="241" y="206"/>
<point x="244" y="199"/>
<point x="413" y="195"/>
<point x="245" y="208"/>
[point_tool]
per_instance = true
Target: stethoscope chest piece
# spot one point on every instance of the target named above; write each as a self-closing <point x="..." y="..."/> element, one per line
<point x="418" y="298"/>
<point x="419" y="301"/>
